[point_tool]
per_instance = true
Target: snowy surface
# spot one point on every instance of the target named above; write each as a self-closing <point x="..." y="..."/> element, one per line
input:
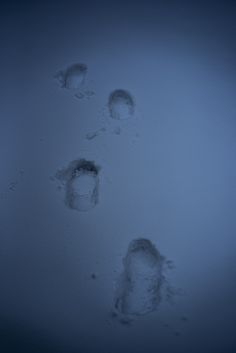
<point x="167" y="173"/>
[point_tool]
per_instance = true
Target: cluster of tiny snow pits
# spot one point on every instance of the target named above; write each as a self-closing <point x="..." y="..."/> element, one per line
<point x="80" y="181"/>
<point x="74" y="78"/>
<point x="85" y="94"/>
<point x="92" y="135"/>
<point x="121" y="105"/>
<point x="140" y="287"/>
<point x="12" y="186"/>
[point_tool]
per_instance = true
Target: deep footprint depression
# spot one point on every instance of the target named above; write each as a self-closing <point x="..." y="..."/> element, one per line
<point x="81" y="183"/>
<point x="139" y="288"/>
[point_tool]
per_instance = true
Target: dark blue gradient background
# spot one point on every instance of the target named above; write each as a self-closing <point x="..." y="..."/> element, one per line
<point x="169" y="176"/>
